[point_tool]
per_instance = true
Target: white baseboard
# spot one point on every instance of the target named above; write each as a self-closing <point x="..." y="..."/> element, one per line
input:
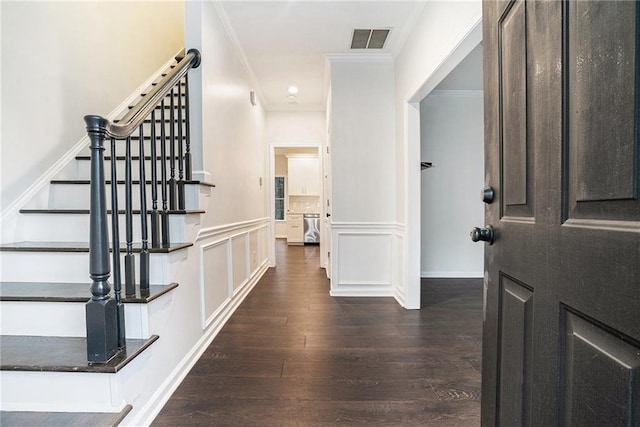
<point x="452" y="274"/>
<point x="363" y="292"/>
<point x="148" y="413"/>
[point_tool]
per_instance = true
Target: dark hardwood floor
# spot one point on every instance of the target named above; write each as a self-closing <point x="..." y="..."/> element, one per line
<point x="292" y="355"/>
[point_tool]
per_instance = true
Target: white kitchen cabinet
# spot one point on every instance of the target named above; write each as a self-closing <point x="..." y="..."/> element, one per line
<point x="303" y="175"/>
<point x="295" y="232"/>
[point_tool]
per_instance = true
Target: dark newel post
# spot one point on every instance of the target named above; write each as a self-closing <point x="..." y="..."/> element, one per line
<point x="172" y="154"/>
<point x="144" y="252"/>
<point x="101" y="310"/>
<point x="129" y="261"/>
<point x="155" y="234"/>
<point x="115" y="239"/>
<point x="163" y="168"/>
<point x="181" y="201"/>
<point x="187" y="155"/>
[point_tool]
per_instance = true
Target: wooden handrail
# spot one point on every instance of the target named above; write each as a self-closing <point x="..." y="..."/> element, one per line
<point x="130" y="122"/>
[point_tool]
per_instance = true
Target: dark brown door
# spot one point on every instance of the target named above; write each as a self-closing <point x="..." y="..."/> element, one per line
<point x="561" y="343"/>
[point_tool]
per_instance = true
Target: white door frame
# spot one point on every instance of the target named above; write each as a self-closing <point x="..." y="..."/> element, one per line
<point x="412" y="246"/>
<point x="272" y="193"/>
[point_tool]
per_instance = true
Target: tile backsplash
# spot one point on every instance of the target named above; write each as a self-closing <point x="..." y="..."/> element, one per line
<point x="304" y="204"/>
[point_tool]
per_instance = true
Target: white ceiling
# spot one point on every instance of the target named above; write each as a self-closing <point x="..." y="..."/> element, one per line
<point x="285" y="42"/>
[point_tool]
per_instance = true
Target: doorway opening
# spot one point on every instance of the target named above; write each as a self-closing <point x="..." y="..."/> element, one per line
<point x="452" y="144"/>
<point x="296" y="196"/>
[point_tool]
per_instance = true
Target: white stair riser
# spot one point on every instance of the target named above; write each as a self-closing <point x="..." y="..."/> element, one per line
<point x="75" y="227"/>
<point x="59" y="391"/>
<point x="84" y="169"/>
<point x="72" y="267"/>
<point x="77" y="196"/>
<point x="65" y="319"/>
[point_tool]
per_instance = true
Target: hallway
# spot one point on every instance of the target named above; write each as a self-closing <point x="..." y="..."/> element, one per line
<point x="293" y="355"/>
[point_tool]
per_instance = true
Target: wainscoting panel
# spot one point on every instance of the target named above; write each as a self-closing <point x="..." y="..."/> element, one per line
<point x="364" y="259"/>
<point x="240" y="260"/>
<point x="399" y="273"/>
<point x="215" y="278"/>
<point x="233" y="257"/>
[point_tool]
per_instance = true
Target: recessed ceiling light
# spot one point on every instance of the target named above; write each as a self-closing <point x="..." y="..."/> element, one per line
<point x="293" y="90"/>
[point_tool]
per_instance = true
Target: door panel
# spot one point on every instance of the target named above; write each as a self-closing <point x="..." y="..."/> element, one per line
<point x="561" y="337"/>
<point x="513" y="108"/>
<point x="601" y="63"/>
<point x="516" y="321"/>
<point x="602" y="376"/>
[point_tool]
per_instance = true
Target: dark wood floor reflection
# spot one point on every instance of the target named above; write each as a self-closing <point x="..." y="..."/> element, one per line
<point x="291" y="355"/>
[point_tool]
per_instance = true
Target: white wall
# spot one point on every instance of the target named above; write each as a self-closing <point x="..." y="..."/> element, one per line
<point x="362" y="135"/>
<point x="304" y="128"/>
<point x="232" y="129"/>
<point x="63" y="60"/>
<point x="452" y="136"/>
<point x="362" y="160"/>
<point x="438" y="42"/>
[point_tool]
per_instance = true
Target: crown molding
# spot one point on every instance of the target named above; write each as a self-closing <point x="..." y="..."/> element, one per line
<point x="222" y="14"/>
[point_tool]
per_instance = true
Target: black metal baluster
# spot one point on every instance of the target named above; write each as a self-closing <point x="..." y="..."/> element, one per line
<point x="187" y="155"/>
<point x="155" y="230"/>
<point x="144" y="251"/>
<point x="115" y="244"/>
<point x="129" y="265"/>
<point x="101" y="311"/>
<point x="172" y="154"/>
<point x="181" y="201"/>
<point x="163" y="169"/>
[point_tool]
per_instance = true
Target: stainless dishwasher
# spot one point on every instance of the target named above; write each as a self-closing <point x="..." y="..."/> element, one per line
<point x="311" y="228"/>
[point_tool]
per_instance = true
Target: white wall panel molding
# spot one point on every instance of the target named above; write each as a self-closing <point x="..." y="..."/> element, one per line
<point x="209" y="232"/>
<point x="215" y="258"/>
<point x="365" y="258"/>
<point x="230" y="264"/>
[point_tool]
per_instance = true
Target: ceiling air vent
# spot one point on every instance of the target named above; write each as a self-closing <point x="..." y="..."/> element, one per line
<point x="369" y="39"/>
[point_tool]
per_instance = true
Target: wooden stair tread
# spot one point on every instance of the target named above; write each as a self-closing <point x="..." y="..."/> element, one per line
<point x="70" y="292"/>
<point x="63" y="419"/>
<point x="62" y="354"/>
<point x="30" y="246"/>
<point x="120" y="212"/>
<point x="123" y="158"/>
<point x="135" y="182"/>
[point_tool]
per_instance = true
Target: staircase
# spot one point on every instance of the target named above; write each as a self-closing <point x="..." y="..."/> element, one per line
<point x="45" y="375"/>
